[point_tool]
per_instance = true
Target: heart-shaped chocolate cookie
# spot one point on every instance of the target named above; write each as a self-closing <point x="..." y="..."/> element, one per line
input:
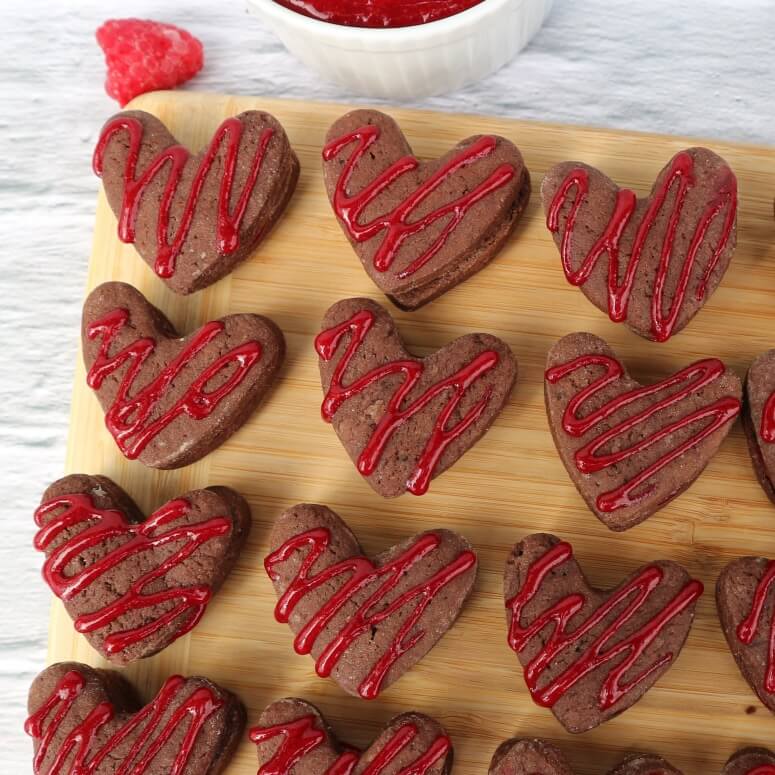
<point x="169" y="400"/>
<point x="590" y="654"/>
<point x="420" y="228"/>
<point x="650" y="263"/>
<point x="90" y="722"/>
<point x="751" y="761"/>
<point x="759" y="419"/>
<point x="194" y="218"/>
<point x="365" y="622"/>
<point x="134" y="585"/>
<point x="404" y="420"/>
<point x="537" y="757"/>
<point x="745" y="597"/>
<point x="293" y="738"/>
<point x="632" y="448"/>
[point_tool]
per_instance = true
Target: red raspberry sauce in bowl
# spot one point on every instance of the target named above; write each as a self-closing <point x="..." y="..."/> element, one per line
<point x="378" y="13"/>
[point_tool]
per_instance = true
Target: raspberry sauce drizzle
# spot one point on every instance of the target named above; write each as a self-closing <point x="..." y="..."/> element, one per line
<point x="396" y="224"/>
<point x="589" y="459"/>
<point x="175" y="158"/>
<point x="358" y="326"/>
<point x="748" y="628"/>
<point x="101" y="526"/>
<point x="301" y="736"/>
<point x="131" y="420"/>
<point x="763" y="769"/>
<point x="361" y="573"/>
<point x="629" y="599"/>
<point x="152" y="735"/>
<point x="681" y="171"/>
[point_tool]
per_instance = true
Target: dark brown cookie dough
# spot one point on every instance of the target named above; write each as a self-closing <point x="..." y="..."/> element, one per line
<point x="759" y="387"/>
<point x="99" y="708"/>
<point x="694" y="248"/>
<point x="144" y="570"/>
<point x="433" y="574"/>
<point x="411" y="420"/>
<point x="580" y="682"/>
<point x="468" y="245"/>
<point x="745" y="597"/>
<point x="537" y="757"/>
<point x="748" y="760"/>
<point x="417" y="738"/>
<point x="215" y="377"/>
<point x="204" y="255"/>
<point x="610" y="477"/>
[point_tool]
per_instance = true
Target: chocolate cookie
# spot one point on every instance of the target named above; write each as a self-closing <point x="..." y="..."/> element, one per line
<point x="90" y="722"/>
<point x="745" y="596"/>
<point x="536" y="757"/>
<point x="751" y="761"/>
<point x="650" y="263"/>
<point x="759" y="419"/>
<point x="134" y="585"/>
<point x="365" y="622"/>
<point x="169" y="400"/>
<point x="590" y="654"/>
<point x="404" y="420"/>
<point x="420" y="228"/>
<point x="632" y="448"/>
<point x="293" y="739"/>
<point x="194" y="218"/>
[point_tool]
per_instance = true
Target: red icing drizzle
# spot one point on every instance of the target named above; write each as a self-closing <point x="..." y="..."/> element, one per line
<point x="589" y="458"/>
<point x="767" y="430"/>
<point x="101" y="526"/>
<point x="681" y="172"/>
<point x="398" y="225"/>
<point x="174" y="159"/>
<point x="327" y="343"/>
<point x="747" y="629"/>
<point x="763" y="769"/>
<point x="361" y="574"/>
<point x="134" y="421"/>
<point x="301" y="736"/>
<point x="152" y="734"/>
<point x="623" y="605"/>
<point x="378" y="13"/>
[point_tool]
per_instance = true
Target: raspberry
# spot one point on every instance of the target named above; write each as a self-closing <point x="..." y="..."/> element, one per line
<point x="145" y="55"/>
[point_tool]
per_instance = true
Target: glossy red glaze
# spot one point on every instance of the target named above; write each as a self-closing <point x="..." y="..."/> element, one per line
<point x="680" y="177"/>
<point x="398" y="225"/>
<point x="620" y="608"/>
<point x="100" y="528"/>
<point x="131" y="420"/>
<point x="378" y="13"/>
<point x="395" y="415"/>
<point x="301" y="736"/>
<point x="361" y="573"/>
<point x="151" y="733"/>
<point x="173" y="159"/>
<point x="590" y="459"/>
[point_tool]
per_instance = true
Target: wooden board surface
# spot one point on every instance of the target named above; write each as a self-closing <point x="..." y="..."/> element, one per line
<point x="512" y="483"/>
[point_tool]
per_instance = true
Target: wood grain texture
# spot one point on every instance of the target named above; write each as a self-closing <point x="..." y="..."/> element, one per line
<point x="510" y="484"/>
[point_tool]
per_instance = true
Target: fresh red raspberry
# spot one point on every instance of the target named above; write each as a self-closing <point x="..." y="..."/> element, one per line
<point x="145" y="55"/>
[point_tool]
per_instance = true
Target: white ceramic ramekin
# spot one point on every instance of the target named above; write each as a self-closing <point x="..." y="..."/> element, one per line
<point x="409" y="62"/>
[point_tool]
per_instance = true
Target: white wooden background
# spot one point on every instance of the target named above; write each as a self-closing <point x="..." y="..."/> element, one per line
<point x="696" y="67"/>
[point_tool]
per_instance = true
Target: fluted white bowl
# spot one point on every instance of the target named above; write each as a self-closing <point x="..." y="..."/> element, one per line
<point x="405" y="63"/>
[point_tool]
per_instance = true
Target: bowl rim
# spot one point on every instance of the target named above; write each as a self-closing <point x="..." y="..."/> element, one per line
<point x="461" y="22"/>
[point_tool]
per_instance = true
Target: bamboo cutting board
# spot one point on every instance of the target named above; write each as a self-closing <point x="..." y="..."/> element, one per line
<point x="511" y="484"/>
